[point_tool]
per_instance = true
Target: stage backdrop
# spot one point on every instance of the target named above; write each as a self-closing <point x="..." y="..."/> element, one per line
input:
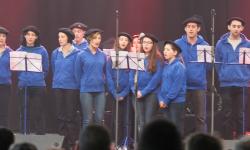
<point x="161" y="17"/>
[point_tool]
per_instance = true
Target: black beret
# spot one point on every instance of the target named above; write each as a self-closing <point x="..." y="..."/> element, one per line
<point x="176" y="47"/>
<point x="68" y="32"/>
<point x="151" y="36"/>
<point x="194" y="18"/>
<point x="126" y="35"/>
<point x="31" y="28"/>
<point x="229" y="21"/>
<point x="92" y="31"/>
<point x="4" y="30"/>
<point x="79" y="25"/>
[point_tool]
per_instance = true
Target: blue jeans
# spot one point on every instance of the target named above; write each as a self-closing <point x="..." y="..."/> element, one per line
<point x="196" y="104"/>
<point x="89" y="102"/>
<point x="174" y="113"/>
<point x="146" y="110"/>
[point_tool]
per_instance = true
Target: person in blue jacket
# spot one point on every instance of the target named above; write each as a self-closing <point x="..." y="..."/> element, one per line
<point x="31" y="84"/>
<point x="148" y="81"/>
<point x="234" y="79"/>
<point x="121" y="92"/>
<point x="196" y="72"/>
<point x="65" y="86"/>
<point x="5" y="77"/>
<point x="90" y="73"/>
<point x="79" y="30"/>
<point x="172" y="92"/>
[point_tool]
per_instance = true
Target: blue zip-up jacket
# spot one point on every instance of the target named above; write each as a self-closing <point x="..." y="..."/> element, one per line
<point x="173" y="87"/>
<point x="196" y="72"/>
<point x="147" y="82"/>
<point x="231" y="74"/>
<point x="5" y="75"/>
<point x="84" y="45"/>
<point x="34" y="78"/>
<point x="90" y="71"/>
<point x="63" y="69"/>
<point x="123" y="83"/>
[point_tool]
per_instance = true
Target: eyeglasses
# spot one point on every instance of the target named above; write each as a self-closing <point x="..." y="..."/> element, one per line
<point x="147" y="42"/>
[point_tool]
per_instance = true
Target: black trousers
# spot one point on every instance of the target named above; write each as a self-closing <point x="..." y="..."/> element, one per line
<point x="32" y="109"/>
<point x="234" y="100"/>
<point x="125" y="119"/>
<point x="67" y="102"/>
<point x="5" y="94"/>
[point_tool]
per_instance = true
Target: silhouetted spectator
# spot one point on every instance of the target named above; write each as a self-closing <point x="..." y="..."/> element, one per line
<point x="201" y="141"/>
<point x="24" y="146"/>
<point x="160" y="135"/>
<point x="94" y="137"/>
<point x="6" y="138"/>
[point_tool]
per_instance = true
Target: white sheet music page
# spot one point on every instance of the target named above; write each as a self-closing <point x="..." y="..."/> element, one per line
<point x="34" y="62"/>
<point x="17" y="60"/>
<point x="204" y="53"/>
<point x="136" y="61"/>
<point x="122" y="59"/>
<point x="246" y="51"/>
<point x="107" y="51"/>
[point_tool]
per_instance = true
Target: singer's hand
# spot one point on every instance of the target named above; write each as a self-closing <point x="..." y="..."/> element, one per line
<point x="120" y="98"/>
<point x="139" y="95"/>
<point x="162" y="105"/>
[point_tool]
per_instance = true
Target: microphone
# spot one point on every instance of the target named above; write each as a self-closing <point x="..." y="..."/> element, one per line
<point x="141" y="35"/>
<point x="213" y="12"/>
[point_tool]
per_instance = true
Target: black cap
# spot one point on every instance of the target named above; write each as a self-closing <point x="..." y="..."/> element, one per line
<point x="31" y="28"/>
<point x="92" y="31"/>
<point x="79" y="25"/>
<point x="4" y="30"/>
<point x="151" y="36"/>
<point x="126" y="35"/>
<point x="176" y="47"/>
<point x="68" y="32"/>
<point x="229" y="21"/>
<point x="194" y="19"/>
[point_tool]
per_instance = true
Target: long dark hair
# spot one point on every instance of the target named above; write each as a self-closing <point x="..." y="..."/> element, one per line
<point x="153" y="56"/>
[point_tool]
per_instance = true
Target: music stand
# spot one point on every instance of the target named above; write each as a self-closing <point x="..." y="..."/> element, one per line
<point x="136" y="62"/>
<point x="27" y="62"/>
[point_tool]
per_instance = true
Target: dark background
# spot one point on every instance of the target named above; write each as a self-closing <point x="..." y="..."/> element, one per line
<point x="161" y="17"/>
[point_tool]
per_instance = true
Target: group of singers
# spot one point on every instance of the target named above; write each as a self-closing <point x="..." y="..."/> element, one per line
<point x="171" y="81"/>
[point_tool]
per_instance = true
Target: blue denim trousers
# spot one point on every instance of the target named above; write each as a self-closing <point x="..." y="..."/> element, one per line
<point x="92" y="103"/>
<point x="146" y="109"/>
<point x="175" y="113"/>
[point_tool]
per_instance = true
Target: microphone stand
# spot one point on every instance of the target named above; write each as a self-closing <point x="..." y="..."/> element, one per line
<point x="213" y="69"/>
<point x="117" y="79"/>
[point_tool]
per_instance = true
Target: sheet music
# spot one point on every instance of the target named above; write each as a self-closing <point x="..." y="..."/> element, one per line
<point x="122" y="59"/>
<point x="247" y="55"/>
<point x="107" y="51"/>
<point x="133" y="64"/>
<point x="204" y="53"/>
<point x="17" y="61"/>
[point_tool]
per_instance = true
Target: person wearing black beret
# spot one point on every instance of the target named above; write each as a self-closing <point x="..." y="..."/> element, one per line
<point x="233" y="79"/>
<point x="148" y="80"/>
<point x="65" y="87"/>
<point x="79" y="30"/>
<point x="90" y="73"/>
<point x="122" y="43"/>
<point x="5" y="76"/>
<point x="196" y="72"/>
<point x="172" y="92"/>
<point x="31" y="85"/>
